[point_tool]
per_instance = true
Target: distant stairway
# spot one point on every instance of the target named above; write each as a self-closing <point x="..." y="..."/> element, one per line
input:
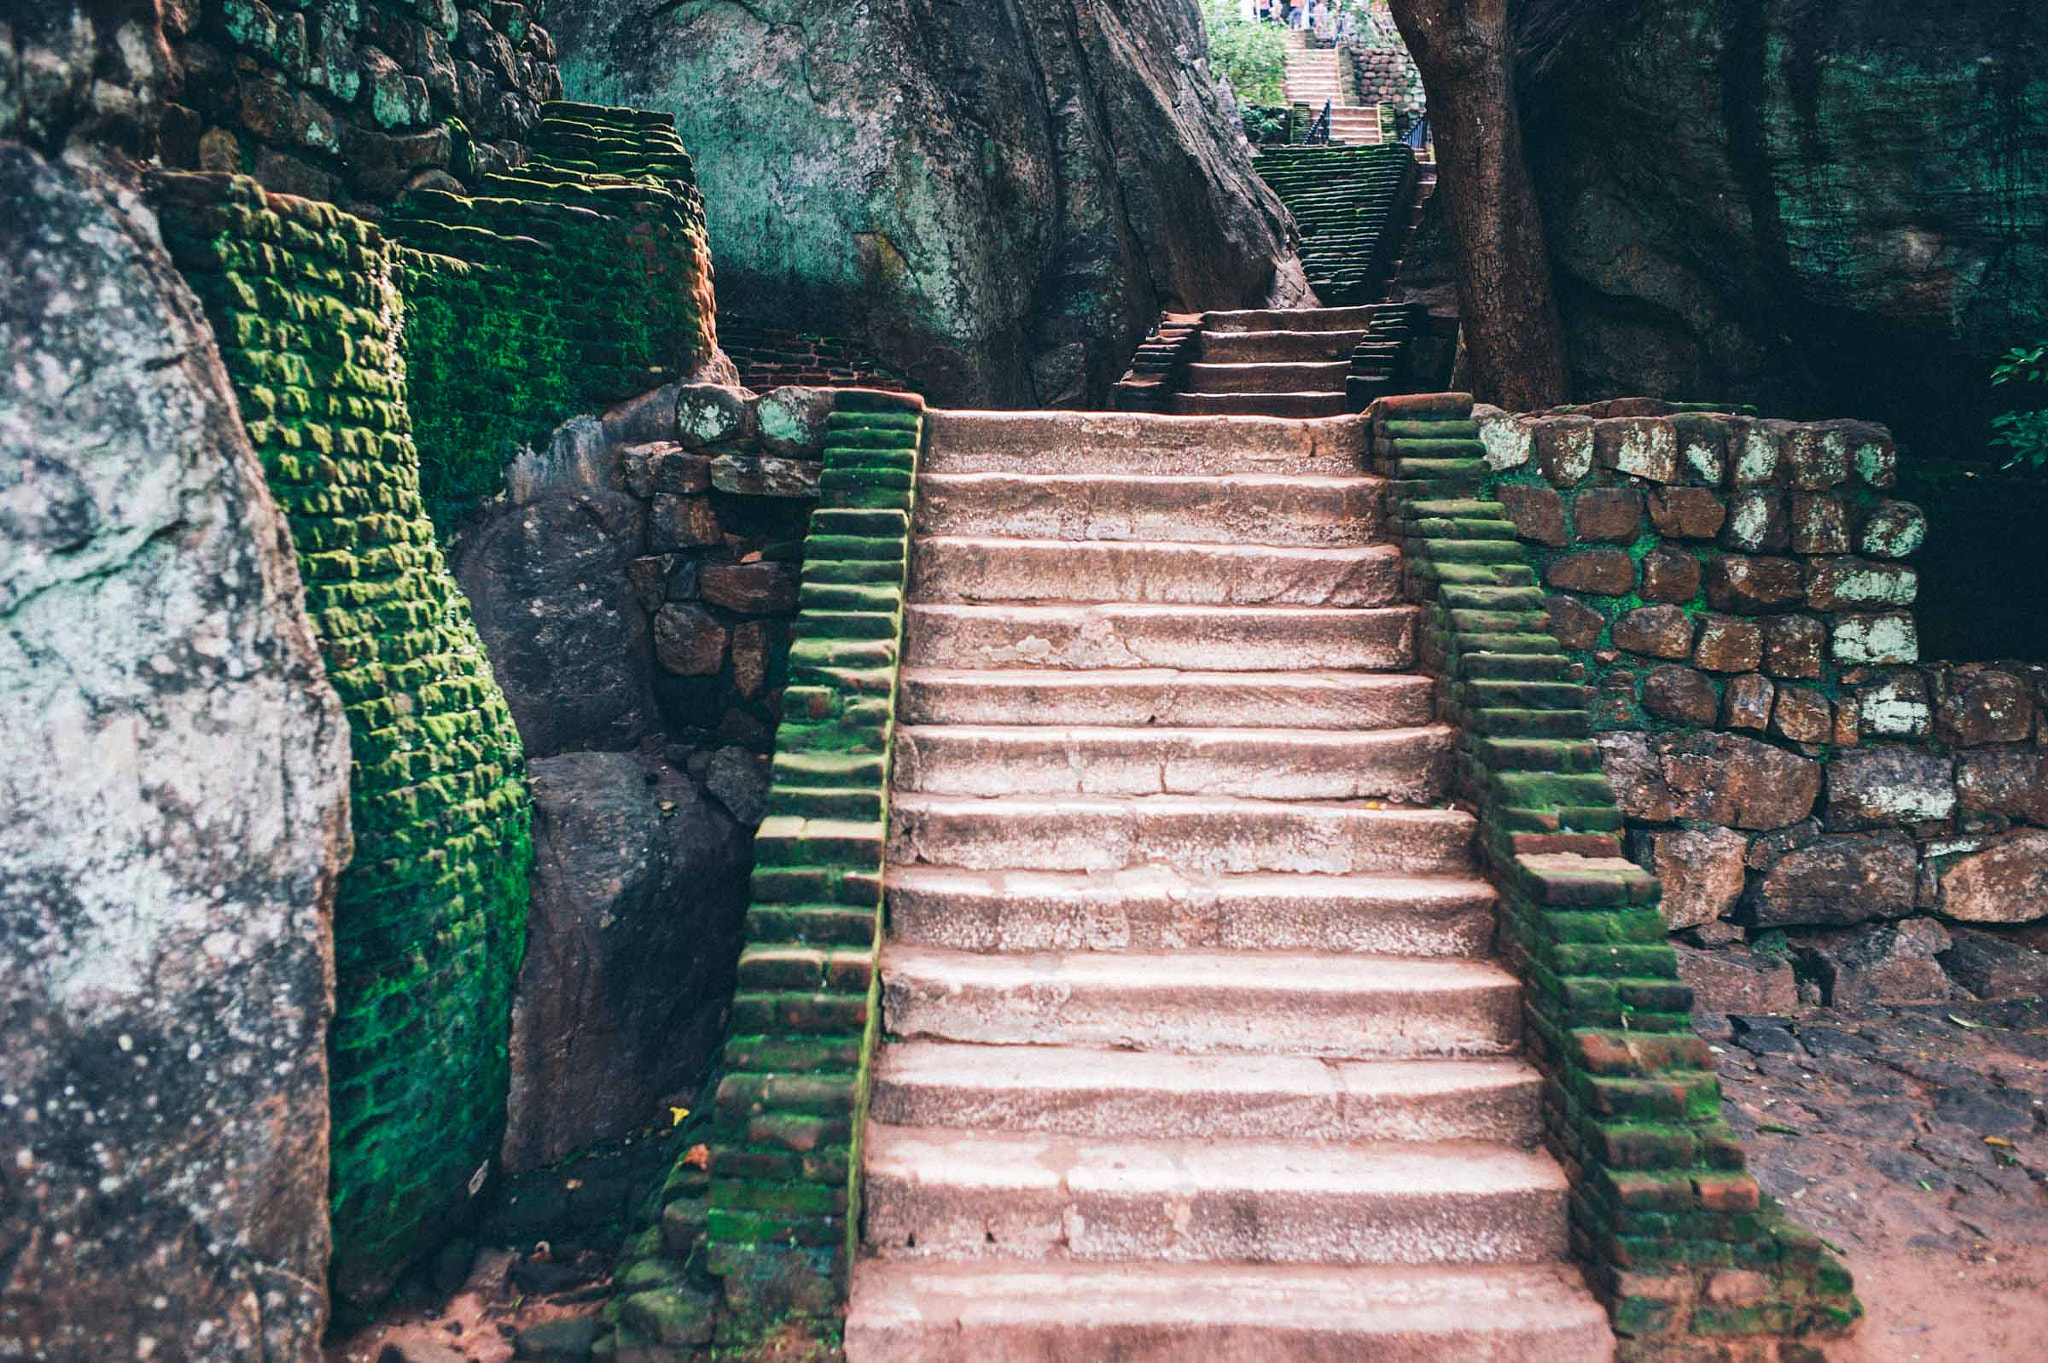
<point x="1354" y="206"/>
<point x="1193" y="1047"/>
<point x="1321" y="75"/>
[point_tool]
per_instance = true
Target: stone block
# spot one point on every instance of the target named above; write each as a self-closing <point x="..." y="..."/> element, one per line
<point x="1738" y="980"/>
<point x="1641" y="447"/>
<point x="1887" y="785"/>
<point x="750" y="588"/>
<point x="765" y="475"/>
<point x="1633" y="767"/>
<point x="1892" y="530"/>
<point x="1758" y="522"/>
<point x="688" y="640"/>
<point x="712" y="414"/>
<point x="1838" y="880"/>
<point x="1746" y="702"/>
<point x="1816" y="457"/>
<point x="1985" y="705"/>
<point x="1992" y="966"/>
<point x="1670" y="576"/>
<point x="1564" y="449"/>
<point x="791" y="421"/>
<point x="1880" y="963"/>
<point x="1848" y="584"/>
<point x="1820" y="524"/>
<point x="1596" y="572"/>
<point x="1689" y="513"/>
<point x="1608" y="515"/>
<point x="682" y="522"/>
<point x="1655" y="632"/>
<point x="1794" y="646"/>
<point x="1739" y="782"/>
<point x="1745" y="585"/>
<point x="2012" y="782"/>
<point x="1802" y="715"/>
<point x="1896" y="704"/>
<point x="1756" y="452"/>
<point x="1538" y="512"/>
<point x="1576" y="626"/>
<point x="1681" y="695"/>
<point x="1728" y="644"/>
<point x="1702" y="870"/>
<point x="1871" y="639"/>
<point x="2007" y="882"/>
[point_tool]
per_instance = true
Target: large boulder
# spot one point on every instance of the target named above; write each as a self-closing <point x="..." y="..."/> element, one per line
<point x="639" y="889"/>
<point x="998" y="199"/>
<point x="1815" y="205"/>
<point x="174" y="774"/>
<point x="545" y="571"/>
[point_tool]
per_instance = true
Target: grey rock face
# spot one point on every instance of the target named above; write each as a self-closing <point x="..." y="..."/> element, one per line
<point x="639" y="888"/>
<point x="174" y="780"/>
<point x="998" y="199"/>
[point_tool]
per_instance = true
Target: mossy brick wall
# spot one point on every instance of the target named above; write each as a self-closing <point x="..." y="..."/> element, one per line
<point x="1692" y="1260"/>
<point x="429" y="918"/>
<point x="354" y="101"/>
<point x="578" y="280"/>
<point x="775" y="1218"/>
<point x="1737" y="592"/>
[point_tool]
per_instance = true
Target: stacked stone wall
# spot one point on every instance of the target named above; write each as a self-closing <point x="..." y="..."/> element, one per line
<point x="353" y="101"/>
<point x="1740" y="595"/>
<point x="429" y="917"/>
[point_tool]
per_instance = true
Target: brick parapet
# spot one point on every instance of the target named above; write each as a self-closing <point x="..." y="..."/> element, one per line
<point x="1693" y="1261"/>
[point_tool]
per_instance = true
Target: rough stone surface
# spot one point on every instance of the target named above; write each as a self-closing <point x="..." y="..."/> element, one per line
<point x="175" y="780"/>
<point x="1702" y="870"/>
<point x="2008" y="781"/>
<point x="1840" y="880"/>
<point x="1792" y="249"/>
<point x="1992" y="966"/>
<point x="1681" y="695"/>
<point x="1538" y="512"/>
<point x="1601" y="572"/>
<point x="639" y="887"/>
<point x="1575" y="625"/>
<point x="1755" y="586"/>
<point x="1737" y="980"/>
<point x="2005" y="883"/>
<point x="548" y="584"/>
<point x="1670" y="577"/>
<point x="866" y="170"/>
<point x="1656" y="632"/>
<point x="1887" y="963"/>
<point x="1728" y="779"/>
<point x="1889" y="784"/>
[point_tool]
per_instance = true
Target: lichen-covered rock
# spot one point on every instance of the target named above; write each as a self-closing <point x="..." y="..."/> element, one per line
<point x="2006" y="882"/>
<point x="1837" y="219"/>
<point x="1888" y="785"/>
<point x="1728" y="779"/>
<point x="1838" y="881"/>
<point x="1702" y="871"/>
<point x="174" y="773"/>
<point x="639" y="887"/>
<point x="996" y="199"/>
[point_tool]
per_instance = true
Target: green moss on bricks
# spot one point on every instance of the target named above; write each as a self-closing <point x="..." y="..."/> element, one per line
<point x="429" y="918"/>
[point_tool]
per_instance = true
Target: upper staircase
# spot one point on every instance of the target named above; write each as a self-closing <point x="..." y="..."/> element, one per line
<point x="1322" y="75"/>
<point x="1194" y="1047"/>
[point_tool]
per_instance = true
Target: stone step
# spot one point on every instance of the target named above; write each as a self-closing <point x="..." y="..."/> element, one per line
<point x="1340" y="1005"/>
<point x="1217" y="834"/>
<point x="1165" y="908"/>
<point x="1111" y="1094"/>
<point x="1263" y="376"/>
<point x="986" y="568"/>
<point x="1164" y="696"/>
<point x="1293" y="406"/>
<point x="1037" y="443"/>
<point x="1289" y="319"/>
<point x="1242" y="347"/>
<point x="941" y="1194"/>
<point x="1220" y="638"/>
<point x="1049" y="1312"/>
<point x="1234" y="509"/>
<point x="1409" y="766"/>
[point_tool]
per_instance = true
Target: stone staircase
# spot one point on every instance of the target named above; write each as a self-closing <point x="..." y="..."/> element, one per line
<point x="1193" y="1048"/>
<point x="1354" y="206"/>
<point x="1319" y="75"/>
<point x="1273" y="362"/>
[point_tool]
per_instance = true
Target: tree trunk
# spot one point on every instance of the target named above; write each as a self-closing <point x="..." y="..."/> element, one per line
<point x="1513" y="333"/>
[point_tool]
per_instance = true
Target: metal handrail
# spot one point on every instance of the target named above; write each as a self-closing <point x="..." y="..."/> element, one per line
<point x="1319" y="131"/>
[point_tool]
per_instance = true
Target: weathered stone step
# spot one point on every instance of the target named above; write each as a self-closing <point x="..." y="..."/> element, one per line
<point x="1079" y="1091"/>
<point x="1166" y="908"/>
<point x="1294" y="406"/>
<point x="995" y="1312"/>
<point x="1244" y="347"/>
<point x="940" y="1194"/>
<point x="1216" y="834"/>
<point x="1289" y="319"/>
<point x="1269" y="376"/>
<point x="1165" y="696"/>
<point x="1038" y="443"/>
<point x="1234" y="509"/>
<point x="1223" y="638"/>
<point x="987" y="568"/>
<point x="1347" y="1006"/>
<point x="1409" y="766"/>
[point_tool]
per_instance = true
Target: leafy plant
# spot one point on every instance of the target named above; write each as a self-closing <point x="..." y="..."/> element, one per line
<point x="1264" y="124"/>
<point x="2024" y="432"/>
<point x="1251" y="56"/>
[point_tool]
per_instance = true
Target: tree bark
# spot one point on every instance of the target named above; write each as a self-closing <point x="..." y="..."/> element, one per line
<point x="1514" y="336"/>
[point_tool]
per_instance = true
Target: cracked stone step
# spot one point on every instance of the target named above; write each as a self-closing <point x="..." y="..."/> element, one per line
<point x="989" y="568"/>
<point x="1353" y="1007"/>
<point x="995" y="1312"/>
<point x="1269" y="376"/>
<point x="1216" y="834"/>
<point x="1165" y="908"/>
<point x="1168" y="697"/>
<point x="1290" y="319"/>
<point x="1409" y="766"/>
<point x="1108" y="1094"/>
<point x="1121" y="635"/>
<point x="940" y="1194"/>
<point x="1036" y="443"/>
<point x="1246" y="347"/>
<point x="1236" y="509"/>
